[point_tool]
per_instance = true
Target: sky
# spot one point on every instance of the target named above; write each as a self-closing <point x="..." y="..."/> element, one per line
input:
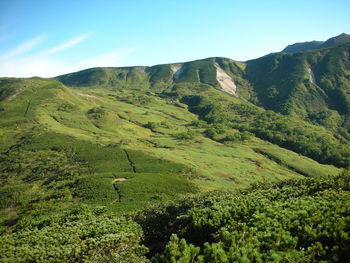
<point x="47" y="38"/>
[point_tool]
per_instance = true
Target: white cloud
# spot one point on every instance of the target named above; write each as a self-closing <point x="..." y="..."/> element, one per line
<point x="42" y="64"/>
<point x="65" y="45"/>
<point x="23" y="48"/>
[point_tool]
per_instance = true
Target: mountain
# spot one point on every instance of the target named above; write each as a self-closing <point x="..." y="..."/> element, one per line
<point x="313" y="84"/>
<point x="303" y="46"/>
<point x="179" y="162"/>
<point x="297" y="47"/>
<point x="342" y="38"/>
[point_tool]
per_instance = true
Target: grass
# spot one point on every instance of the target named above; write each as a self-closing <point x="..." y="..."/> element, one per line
<point x="88" y="136"/>
<point x="219" y="166"/>
<point x="228" y="166"/>
<point x="125" y="196"/>
<point x="299" y="164"/>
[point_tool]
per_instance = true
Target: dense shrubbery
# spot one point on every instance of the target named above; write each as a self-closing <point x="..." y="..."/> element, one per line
<point x="294" y="221"/>
<point x="137" y="99"/>
<point x="238" y="136"/>
<point x="151" y="125"/>
<point x="305" y="220"/>
<point x="80" y="236"/>
<point x="48" y="165"/>
<point x="51" y="172"/>
<point x="276" y="129"/>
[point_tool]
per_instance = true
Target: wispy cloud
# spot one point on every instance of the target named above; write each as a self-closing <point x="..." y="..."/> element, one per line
<point x="68" y="44"/>
<point x="43" y="64"/>
<point x="24" y="47"/>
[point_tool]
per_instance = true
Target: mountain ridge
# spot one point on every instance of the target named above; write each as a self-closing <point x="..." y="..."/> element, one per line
<point x="311" y="45"/>
<point x="309" y="65"/>
<point x="311" y="85"/>
<point x="300" y="46"/>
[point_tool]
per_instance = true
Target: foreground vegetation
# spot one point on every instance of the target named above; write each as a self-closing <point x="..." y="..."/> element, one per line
<point x="305" y="220"/>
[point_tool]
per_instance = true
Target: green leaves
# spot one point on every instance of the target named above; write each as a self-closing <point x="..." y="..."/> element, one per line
<point x="187" y="135"/>
<point x="87" y="238"/>
<point x="293" y="221"/>
<point x="304" y="220"/>
<point x="178" y="251"/>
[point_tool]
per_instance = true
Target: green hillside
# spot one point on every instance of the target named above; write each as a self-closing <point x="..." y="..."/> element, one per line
<point x="210" y="148"/>
<point x="303" y="83"/>
<point x="312" y="85"/>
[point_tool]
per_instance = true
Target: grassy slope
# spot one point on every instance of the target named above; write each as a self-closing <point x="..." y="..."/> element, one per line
<point x="129" y="129"/>
<point x="87" y="132"/>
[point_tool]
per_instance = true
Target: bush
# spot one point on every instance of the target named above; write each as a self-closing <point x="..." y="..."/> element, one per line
<point x="238" y="136"/>
<point x="97" y="113"/>
<point x="151" y="125"/>
<point x="188" y="135"/>
<point x="210" y="133"/>
<point x="199" y="124"/>
<point x="80" y="238"/>
<point x="298" y="220"/>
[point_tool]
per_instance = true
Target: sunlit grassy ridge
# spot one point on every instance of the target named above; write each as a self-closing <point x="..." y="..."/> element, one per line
<point x="119" y="111"/>
<point x="69" y="144"/>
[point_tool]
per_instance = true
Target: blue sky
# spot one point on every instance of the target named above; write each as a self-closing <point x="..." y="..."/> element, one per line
<point x="48" y="38"/>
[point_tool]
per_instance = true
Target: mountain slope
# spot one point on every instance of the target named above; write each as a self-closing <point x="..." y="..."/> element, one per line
<point x="149" y="126"/>
<point x="341" y="39"/>
<point x="286" y="83"/>
<point x="162" y="77"/>
<point x="62" y="147"/>
<point x="304" y="46"/>
<point x="303" y="83"/>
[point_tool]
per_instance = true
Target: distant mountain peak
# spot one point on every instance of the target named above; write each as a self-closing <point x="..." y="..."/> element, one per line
<point x="310" y="45"/>
<point x="342" y="38"/>
<point x="303" y="46"/>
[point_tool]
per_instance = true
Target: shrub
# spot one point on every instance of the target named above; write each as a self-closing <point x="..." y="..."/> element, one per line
<point x="211" y="133"/>
<point x="303" y="220"/>
<point x="151" y="125"/>
<point x="238" y="136"/>
<point x="188" y="135"/>
<point x="96" y="113"/>
<point x="80" y="238"/>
